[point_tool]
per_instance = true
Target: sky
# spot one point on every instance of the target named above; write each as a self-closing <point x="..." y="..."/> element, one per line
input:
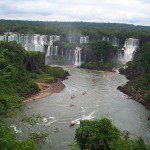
<point x="116" y="11"/>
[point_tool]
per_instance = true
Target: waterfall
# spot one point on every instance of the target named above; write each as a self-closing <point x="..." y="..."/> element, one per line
<point x="120" y="57"/>
<point x="129" y="48"/>
<point x="48" y="51"/>
<point x="115" y="42"/>
<point x="101" y="57"/>
<point x="51" y="50"/>
<point x="70" y="55"/>
<point x="77" y="56"/>
<point x="62" y="54"/>
<point x="56" y="50"/>
<point x="106" y="39"/>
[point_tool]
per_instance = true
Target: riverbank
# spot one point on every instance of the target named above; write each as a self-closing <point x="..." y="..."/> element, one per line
<point x="21" y="74"/>
<point x="101" y="97"/>
<point x="46" y="89"/>
<point x="131" y="90"/>
<point x="137" y="72"/>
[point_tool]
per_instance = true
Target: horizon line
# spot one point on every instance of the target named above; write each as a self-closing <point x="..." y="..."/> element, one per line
<point x="125" y="23"/>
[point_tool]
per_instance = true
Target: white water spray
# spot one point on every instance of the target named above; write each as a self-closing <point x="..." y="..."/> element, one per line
<point x="129" y="48"/>
<point x="77" y="56"/>
<point x="84" y="117"/>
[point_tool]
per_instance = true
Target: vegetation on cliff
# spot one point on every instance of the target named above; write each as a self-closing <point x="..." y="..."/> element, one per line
<point x="19" y="72"/>
<point x="102" y="134"/>
<point x="100" y="56"/>
<point x="138" y="73"/>
<point x="8" y="140"/>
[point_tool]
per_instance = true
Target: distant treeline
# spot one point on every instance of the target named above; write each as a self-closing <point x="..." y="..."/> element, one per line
<point x="94" y="30"/>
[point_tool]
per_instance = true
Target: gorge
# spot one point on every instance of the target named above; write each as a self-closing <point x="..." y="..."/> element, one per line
<point x="39" y="60"/>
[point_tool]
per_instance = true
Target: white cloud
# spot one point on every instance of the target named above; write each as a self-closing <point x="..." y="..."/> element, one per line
<point x="128" y="11"/>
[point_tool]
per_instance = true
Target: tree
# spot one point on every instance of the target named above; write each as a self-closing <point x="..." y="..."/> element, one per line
<point x="103" y="50"/>
<point x="103" y="135"/>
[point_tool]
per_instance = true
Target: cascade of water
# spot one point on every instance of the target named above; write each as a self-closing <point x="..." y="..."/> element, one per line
<point x="25" y="46"/>
<point x="66" y="55"/>
<point x="129" y="48"/>
<point x="70" y="55"/>
<point x="115" y="42"/>
<point x="77" y="56"/>
<point x="48" y="51"/>
<point x="120" y="54"/>
<point x="35" y="47"/>
<point x="51" y="50"/>
<point x="101" y="57"/>
<point x="108" y="39"/>
<point x="62" y="53"/>
<point x="55" y="50"/>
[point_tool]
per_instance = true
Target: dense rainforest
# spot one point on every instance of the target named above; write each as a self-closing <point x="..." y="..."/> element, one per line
<point x="100" y="55"/>
<point x="95" y="31"/>
<point x="103" y="135"/>
<point x="20" y="70"/>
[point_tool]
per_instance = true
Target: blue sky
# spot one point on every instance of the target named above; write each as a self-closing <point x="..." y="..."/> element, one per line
<point x="121" y="11"/>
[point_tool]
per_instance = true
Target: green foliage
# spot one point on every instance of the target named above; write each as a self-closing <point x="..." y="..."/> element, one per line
<point x="94" y="30"/>
<point x="103" y="135"/>
<point x="96" y="134"/>
<point x="34" y="60"/>
<point x="49" y="80"/>
<point x="8" y="103"/>
<point x="103" y="50"/>
<point x="100" y="56"/>
<point x="68" y="46"/>
<point x="32" y="120"/>
<point x="57" y="72"/>
<point x="74" y="146"/>
<point x="97" y="65"/>
<point x="8" y="140"/>
<point x="140" y="64"/>
<point x="38" y="138"/>
<point x="19" y="72"/>
<point x="138" y="71"/>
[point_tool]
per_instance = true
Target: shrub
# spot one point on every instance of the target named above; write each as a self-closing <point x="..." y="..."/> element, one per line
<point x="103" y="135"/>
<point x="9" y="142"/>
<point x="97" y="134"/>
<point x="19" y="72"/>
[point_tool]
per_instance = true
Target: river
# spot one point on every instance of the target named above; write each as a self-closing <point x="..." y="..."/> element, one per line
<point x="101" y="95"/>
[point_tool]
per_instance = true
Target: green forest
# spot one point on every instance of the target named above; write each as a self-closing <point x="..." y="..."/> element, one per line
<point x="94" y="30"/>
<point x="138" y="73"/>
<point x="21" y="70"/>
